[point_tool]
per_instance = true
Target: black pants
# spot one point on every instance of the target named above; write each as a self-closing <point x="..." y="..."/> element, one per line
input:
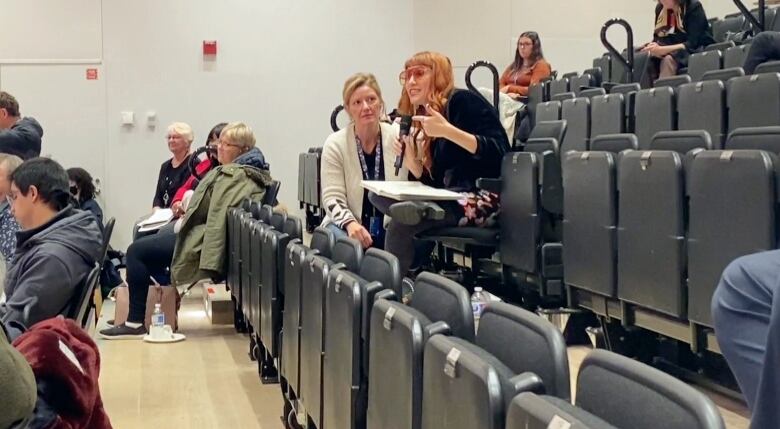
<point x="765" y="48"/>
<point x="399" y="238"/>
<point x="147" y="257"/>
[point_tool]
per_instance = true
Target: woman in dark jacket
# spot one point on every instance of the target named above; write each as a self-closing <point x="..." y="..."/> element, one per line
<point x="456" y="139"/>
<point x="681" y="28"/>
<point x="83" y="190"/>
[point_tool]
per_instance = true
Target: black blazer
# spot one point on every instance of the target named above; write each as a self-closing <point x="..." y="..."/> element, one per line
<point x="455" y="168"/>
<point x="697" y="35"/>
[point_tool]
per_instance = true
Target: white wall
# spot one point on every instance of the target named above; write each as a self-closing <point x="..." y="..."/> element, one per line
<point x="280" y="68"/>
<point x="570" y="30"/>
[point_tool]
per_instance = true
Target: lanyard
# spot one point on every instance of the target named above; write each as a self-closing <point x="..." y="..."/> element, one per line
<point x="377" y="156"/>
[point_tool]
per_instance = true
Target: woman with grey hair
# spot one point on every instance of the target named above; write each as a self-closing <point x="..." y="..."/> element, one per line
<point x="8" y="225"/>
<point x="174" y="172"/>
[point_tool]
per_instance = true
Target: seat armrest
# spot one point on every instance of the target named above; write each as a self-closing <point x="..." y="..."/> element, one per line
<point x="387" y="294"/>
<point x="490" y="185"/>
<point x="527" y="382"/>
<point x="437" y="328"/>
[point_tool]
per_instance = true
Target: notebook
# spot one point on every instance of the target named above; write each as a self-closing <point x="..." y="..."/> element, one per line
<point x="409" y="191"/>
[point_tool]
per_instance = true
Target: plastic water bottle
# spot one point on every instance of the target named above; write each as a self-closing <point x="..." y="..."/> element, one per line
<point x="158" y="317"/>
<point x="479" y="300"/>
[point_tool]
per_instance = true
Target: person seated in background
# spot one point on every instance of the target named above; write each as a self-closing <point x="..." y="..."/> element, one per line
<point x="528" y="68"/>
<point x="174" y="172"/>
<point x="460" y="141"/>
<point x="681" y="29"/>
<point x="746" y="316"/>
<point x="201" y="169"/>
<point x="83" y="190"/>
<point x="56" y="248"/>
<point x="19" y="389"/>
<point x="765" y="47"/>
<point x="363" y="150"/>
<point x="8" y="225"/>
<point x="20" y="136"/>
<point x="197" y="251"/>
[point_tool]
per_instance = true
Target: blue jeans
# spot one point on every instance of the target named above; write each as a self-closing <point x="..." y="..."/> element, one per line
<point x="337" y="232"/>
<point x="746" y="312"/>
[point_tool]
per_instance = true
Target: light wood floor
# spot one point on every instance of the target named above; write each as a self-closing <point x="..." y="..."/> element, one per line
<point x="208" y="380"/>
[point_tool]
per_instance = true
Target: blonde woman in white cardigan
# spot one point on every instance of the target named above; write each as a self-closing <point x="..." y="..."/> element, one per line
<point x="363" y="150"/>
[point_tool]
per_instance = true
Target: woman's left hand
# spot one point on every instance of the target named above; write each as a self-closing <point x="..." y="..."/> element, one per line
<point x="659" y="51"/>
<point x="434" y="125"/>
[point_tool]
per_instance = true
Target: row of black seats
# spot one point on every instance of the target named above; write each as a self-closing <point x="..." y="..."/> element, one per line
<point x="353" y="356"/>
<point x="653" y="229"/>
<point x="725" y="101"/>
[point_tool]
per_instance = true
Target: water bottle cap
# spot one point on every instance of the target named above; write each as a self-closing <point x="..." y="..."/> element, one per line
<point x="157" y="305"/>
<point x="477" y="289"/>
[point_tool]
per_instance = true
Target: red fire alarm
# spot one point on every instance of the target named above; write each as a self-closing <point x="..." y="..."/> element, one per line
<point x="92" y="74"/>
<point x="210" y="47"/>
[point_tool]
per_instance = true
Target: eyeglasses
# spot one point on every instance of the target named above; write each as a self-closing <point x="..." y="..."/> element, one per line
<point x="415" y="72"/>
<point x="10" y="198"/>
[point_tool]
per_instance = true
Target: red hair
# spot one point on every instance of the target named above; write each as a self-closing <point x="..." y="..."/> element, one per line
<point x="443" y="83"/>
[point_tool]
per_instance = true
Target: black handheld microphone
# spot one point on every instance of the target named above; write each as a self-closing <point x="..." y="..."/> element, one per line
<point x="406" y="126"/>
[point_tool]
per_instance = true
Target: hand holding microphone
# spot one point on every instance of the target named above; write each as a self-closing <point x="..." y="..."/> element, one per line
<point x="406" y="126"/>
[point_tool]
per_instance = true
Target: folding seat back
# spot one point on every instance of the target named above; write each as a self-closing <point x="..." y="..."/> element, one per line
<point x="550" y="129"/>
<point x="315" y="277"/>
<point x="301" y="177"/>
<point x="380" y="267"/>
<point x="586" y="80"/>
<point x="531" y="411"/>
<point x="548" y="111"/>
<point x="233" y="258"/>
<point x="735" y="57"/>
<point x="594" y="92"/>
<point x="651" y="231"/>
<point x="754" y="101"/>
<point x="723" y="75"/>
<point x="266" y="213"/>
<point x="559" y="86"/>
<point x="654" y="111"/>
<point x="720" y="46"/>
<point x="441" y="299"/>
<point x="295" y="256"/>
<point x="398" y="337"/>
<point x="605" y="64"/>
<point x="702" y="106"/>
<point x="348" y="252"/>
<point x="629" y="91"/>
<point x="672" y="81"/>
<point x="590" y="221"/>
<point x="516" y="351"/>
<point x="277" y="220"/>
<point x="626" y="393"/>
<point x="614" y="143"/>
<point x="681" y="142"/>
<point x="520" y="207"/>
<point x="344" y="389"/>
<point x="536" y="96"/>
<point x="728" y="25"/>
<point x="245" y="240"/>
<point x="561" y="97"/>
<point x="595" y="74"/>
<point x="256" y="281"/>
<point x="576" y="113"/>
<point x="768" y="67"/>
<point x="732" y="213"/>
<point x="322" y="240"/>
<point x="273" y="245"/>
<point x="702" y="62"/>
<point x="755" y="138"/>
<point x="607" y="113"/>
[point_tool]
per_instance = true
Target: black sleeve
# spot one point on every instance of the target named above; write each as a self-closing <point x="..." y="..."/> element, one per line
<point x="474" y="115"/>
<point x="160" y="191"/>
<point x="12" y="141"/>
<point x="698" y="29"/>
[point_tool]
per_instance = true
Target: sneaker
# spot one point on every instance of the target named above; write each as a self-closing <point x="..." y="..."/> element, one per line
<point x="413" y="212"/>
<point x="123" y="332"/>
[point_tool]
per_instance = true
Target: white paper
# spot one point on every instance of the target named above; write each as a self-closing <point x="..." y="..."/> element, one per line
<point x="159" y="216"/>
<point x="409" y="191"/>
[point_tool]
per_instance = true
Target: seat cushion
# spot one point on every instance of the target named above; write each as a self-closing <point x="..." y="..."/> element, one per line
<point x="472" y="235"/>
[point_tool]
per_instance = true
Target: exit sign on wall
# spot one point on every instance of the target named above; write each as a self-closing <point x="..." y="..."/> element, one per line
<point x="92" y="74"/>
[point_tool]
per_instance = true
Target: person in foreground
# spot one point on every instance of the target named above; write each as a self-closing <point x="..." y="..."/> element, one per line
<point x="363" y="150"/>
<point x="746" y="315"/>
<point x="197" y="250"/>
<point x="56" y="247"/>
<point x="457" y="139"/>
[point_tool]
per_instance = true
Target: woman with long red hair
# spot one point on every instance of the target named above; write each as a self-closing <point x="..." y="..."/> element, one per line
<point x="456" y="139"/>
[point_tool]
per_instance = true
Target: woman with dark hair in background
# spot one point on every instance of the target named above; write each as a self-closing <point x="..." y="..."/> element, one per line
<point x="83" y="190"/>
<point x="681" y="29"/>
<point x="528" y="68"/>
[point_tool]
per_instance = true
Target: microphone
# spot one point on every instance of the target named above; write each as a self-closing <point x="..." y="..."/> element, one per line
<point x="406" y="126"/>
